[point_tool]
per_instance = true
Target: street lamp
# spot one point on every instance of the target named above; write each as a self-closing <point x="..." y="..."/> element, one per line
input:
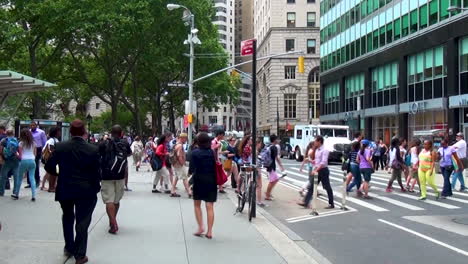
<point x="89" y="118"/>
<point x="192" y="40"/>
<point x="452" y="9"/>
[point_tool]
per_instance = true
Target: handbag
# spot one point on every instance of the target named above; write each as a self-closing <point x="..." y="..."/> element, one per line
<point x="155" y="162"/>
<point x="227" y="165"/>
<point x="345" y="165"/>
<point x="221" y="177"/>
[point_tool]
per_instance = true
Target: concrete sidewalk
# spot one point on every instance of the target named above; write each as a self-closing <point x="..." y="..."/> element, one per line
<point x="153" y="228"/>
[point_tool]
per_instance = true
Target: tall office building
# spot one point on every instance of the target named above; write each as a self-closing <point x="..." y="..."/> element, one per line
<point x="243" y="31"/>
<point x="281" y="26"/>
<point x="395" y="68"/>
<point x="224" y="19"/>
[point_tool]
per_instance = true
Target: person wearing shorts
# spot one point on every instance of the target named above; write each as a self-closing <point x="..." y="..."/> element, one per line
<point x="272" y="175"/>
<point x="114" y="153"/>
<point x="180" y="170"/>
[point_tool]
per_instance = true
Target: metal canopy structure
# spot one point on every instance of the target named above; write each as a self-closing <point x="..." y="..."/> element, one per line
<point x="12" y="83"/>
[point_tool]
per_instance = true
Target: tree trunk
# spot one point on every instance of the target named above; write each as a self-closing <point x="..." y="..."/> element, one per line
<point x="37" y="101"/>
<point x="172" y="118"/>
<point x="158" y="109"/>
<point x="136" y="113"/>
<point x="114" y="109"/>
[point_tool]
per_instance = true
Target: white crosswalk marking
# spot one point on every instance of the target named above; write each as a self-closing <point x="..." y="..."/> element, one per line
<point x="396" y="202"/>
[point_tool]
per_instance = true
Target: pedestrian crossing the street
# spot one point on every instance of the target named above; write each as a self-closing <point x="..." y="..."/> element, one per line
<point x="381" y="200"/>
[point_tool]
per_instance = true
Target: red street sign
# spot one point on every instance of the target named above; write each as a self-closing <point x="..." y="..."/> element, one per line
<point x="247" y="47"/>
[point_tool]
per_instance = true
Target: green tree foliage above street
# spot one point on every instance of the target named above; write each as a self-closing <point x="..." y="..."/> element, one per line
<point x="123" y="51"/>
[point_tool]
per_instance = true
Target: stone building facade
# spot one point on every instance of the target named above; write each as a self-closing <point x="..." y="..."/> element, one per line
<point x="279" y="27"/>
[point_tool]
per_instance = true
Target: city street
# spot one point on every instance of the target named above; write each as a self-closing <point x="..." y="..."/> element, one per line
<point x="390" y="228"/>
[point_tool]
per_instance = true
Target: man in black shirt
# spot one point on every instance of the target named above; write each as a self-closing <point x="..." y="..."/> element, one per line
<point x="77" y="187"/>
<point x="114" y="153"/>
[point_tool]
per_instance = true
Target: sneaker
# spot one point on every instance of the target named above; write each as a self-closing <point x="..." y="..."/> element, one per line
<point x="175" y="195"/>
<point x="422" y="198"/>
<point x="403" y="190"/>
<point x="330" y="207"/>
<point x="156" y="191"/>
<point x="462" y="189"/>
<point x="33" y="199"/>
<point x="389" y="190"/>
<point x="261" y="204"/>
<point x="128" y="189"/>
<point x="14" y="197"/>
<point x="167" y="192"/>
<point x="283" y="174"/>
<point x="27" y="186"/>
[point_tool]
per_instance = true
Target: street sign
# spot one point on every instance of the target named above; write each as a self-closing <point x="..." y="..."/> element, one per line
<point x="187" y="107"/>
<point x="247" y="47"/>
<point x="177" y="84"/>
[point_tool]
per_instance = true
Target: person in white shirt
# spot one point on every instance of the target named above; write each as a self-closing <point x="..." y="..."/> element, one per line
<point x="54" y="135"/>
<point x="460" y="147"/>
<point x="27" y="155"/>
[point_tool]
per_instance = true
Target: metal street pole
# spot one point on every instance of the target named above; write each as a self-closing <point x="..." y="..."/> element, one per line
<point x="277" y="117"/>
<point x="192" y="27"/>
<point x="254" y="118"/>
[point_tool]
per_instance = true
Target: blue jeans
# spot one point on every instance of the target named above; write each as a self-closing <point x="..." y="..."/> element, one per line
<point x="458" y="176"/>
<point x="446" y="172"/>
<point x="357" y="177"/>
<point x="8" y="166"/>
<point x="28" y="166"/>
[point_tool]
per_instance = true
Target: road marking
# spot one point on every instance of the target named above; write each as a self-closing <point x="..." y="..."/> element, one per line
<point x="426" y="237"/>
<point x="396" y="202"/>
<point x="308" y="215"/>
<point x="318" y="216"/>
<point x="444" y="205"/>
<point x="351" y="199"/>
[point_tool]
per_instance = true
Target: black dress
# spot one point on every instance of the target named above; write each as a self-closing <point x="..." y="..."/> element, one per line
<point x="202" y="167"/>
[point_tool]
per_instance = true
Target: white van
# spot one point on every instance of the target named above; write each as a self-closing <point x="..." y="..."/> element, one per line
<point x="336" y="139"/>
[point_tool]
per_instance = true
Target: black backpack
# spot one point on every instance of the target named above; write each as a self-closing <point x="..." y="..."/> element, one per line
<point x="115" y="162"/>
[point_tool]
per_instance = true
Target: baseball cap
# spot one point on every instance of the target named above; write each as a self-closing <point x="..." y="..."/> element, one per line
<point x="460" y="134"/>
<point x="365" y="142"/>
<point x="183" y="135"/>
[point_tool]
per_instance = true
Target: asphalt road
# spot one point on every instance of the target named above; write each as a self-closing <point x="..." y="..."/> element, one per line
<point x="390" y="228"/>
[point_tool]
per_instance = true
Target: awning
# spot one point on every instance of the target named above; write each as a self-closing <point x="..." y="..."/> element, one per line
<point x="15" y="83"/>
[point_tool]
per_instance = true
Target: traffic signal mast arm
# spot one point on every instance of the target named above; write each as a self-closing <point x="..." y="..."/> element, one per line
<point x="250" y="61"/>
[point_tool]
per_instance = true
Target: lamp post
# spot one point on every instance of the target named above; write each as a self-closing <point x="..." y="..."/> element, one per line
<point x="89" y="118"/>
<point x="189" y="20"/>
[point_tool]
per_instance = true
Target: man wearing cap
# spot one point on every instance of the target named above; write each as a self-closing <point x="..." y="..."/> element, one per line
<point x="178" y="164"/>
<point x="460" y="147"/>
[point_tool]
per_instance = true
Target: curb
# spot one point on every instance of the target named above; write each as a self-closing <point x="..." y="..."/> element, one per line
<point x="289" y="245"/>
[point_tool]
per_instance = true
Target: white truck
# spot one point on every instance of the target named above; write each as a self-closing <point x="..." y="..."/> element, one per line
<point x="336" y="139"/>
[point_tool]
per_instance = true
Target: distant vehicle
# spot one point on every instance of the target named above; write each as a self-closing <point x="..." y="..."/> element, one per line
<point x="336" y="140"/>
<point x="286" y="150"/>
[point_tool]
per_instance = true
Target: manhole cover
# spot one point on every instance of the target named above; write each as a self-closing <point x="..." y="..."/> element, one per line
<point x="461" y="220"/>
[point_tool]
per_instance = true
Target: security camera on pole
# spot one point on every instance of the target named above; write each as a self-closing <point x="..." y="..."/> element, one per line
<point x="189" y="20"/>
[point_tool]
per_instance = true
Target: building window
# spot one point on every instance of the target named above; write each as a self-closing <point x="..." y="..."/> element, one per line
<point x="427" y="75"/>
<point x="314" y="76"/>
<point x="354" y="89"/>
<point x="290" y="72"/>
<point x="291" y="1"/>
<point x="332" y="98"/>
<point x="384" y="85"/>
<point x="314" y="94"/>
<point x="213" y="120"/>
<point x="98" y="105"/>
<point x="290" y="45"/>
<point x="310" y="1"/>
<point x="291" y="20"/>
<point x="311" y="43"/>
<point x="464" y="65"/>
<point x="311" y="17"/>
<point x="290" y="106"/>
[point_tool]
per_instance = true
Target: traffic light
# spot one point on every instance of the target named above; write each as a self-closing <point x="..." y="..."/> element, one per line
<point x="300" y="64"/>
<point x="190" y="118"/>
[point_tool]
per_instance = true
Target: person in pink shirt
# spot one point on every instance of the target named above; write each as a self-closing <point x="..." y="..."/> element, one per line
<point x="321" y="169"/>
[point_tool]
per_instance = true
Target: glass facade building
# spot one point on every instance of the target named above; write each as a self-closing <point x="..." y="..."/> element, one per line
<point x="393" y="67"/>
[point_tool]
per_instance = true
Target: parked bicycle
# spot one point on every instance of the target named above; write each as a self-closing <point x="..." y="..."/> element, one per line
<point x="247" y="190"/>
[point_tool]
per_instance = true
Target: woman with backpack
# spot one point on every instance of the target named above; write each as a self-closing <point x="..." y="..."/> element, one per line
<point x="137" y="152"/>
<point x="364" y="159"/>
<point x="271" y="168"/>
<point x="397" y="165"/>
<point x="49" y="147"/>
<point x="27" y="156"/>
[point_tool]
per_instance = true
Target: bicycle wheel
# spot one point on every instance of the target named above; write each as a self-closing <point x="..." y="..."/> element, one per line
<point x="252" y="200"/>
<point x="242" y="195"/>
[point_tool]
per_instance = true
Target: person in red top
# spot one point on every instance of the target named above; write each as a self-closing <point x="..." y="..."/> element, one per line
<point x="216" y="146"/>
<point x="162" y="152"/>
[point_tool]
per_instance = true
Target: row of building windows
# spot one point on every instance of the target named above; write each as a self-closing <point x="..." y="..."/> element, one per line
<point x="311" y="45"/>
<point x="294" y="1"/>
<point x="291" y="19"/>
<point x="426" y="79"/>
<point x="420" y="18"/>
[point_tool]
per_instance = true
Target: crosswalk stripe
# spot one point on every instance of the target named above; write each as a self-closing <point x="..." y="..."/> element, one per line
<point x="351" y="199"/>
<point x="396" y="202"/>
<point x="429" y="191"/>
